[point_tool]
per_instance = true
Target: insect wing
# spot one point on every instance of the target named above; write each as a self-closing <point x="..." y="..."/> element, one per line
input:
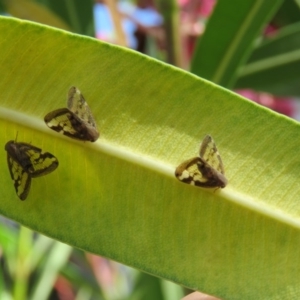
<point x="196" y="171"/>
<point x="189" y="172"/>
<point x="42" y="163"/>
<point x="209" y="153"/>
<point x="213" y="177"/>
<point x="20" y="177"/>
<point x="64" y="121"/>
<point x="78" y="105"/>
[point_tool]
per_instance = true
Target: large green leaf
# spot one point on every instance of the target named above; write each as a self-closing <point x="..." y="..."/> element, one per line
<point x="229" y="38"/>
<point x="274" y="65"/>
<point x="118" y="197"/>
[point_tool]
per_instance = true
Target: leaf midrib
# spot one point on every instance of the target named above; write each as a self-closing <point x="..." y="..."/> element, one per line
<point x="155" y="165"/>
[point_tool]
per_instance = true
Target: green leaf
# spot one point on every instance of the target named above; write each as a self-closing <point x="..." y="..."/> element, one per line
<point x="288" y="13"/>
<point x="73" y="271"/>
<point x="147" y="287"/>
<point x="170" y="12"/>
<point x="77" y="13"/>
<point x="274" y="65"/>
<point x="228" y="38"/>
<point x="119" y="198"/>
<point x="57" y="258"/>
<point x="72" y="15"/>
<point x="30" y="10"/>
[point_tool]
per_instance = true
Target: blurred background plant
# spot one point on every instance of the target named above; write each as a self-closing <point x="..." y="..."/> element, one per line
<point x="254" y="52"/>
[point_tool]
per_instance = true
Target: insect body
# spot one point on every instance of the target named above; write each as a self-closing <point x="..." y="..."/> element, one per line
<point x="76" y="121"/>
<point x="206" y="170"/>
<point x="25" y="162"/>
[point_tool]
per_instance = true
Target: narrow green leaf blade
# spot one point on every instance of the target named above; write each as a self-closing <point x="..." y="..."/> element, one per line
<point x="274" y="66"/>
<point x="119" y="198"/>
<point x="229" y="37"/>
<point x="57" y="258"/>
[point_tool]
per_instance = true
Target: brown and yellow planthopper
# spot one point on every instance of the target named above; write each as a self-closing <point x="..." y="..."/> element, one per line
<point x="206" y="170"/>
<point x="76" y="121"/>
<point x="26" y="161"/>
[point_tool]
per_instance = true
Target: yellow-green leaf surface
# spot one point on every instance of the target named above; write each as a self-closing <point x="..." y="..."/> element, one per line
<point x="118" y="197"/>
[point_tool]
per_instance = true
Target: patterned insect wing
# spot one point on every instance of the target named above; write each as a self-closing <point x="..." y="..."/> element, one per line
<point x="76" y="121"/>
<point x="213" y="177"/>
<point x="189" y="172"/>
<point x="64" y="121"/>
<point x="42" y="163"/>
<point x="209" y="153"/>
<point x="78" y="105"/>
<point x="21" y="179"/>
<point x="26" y="161"/>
